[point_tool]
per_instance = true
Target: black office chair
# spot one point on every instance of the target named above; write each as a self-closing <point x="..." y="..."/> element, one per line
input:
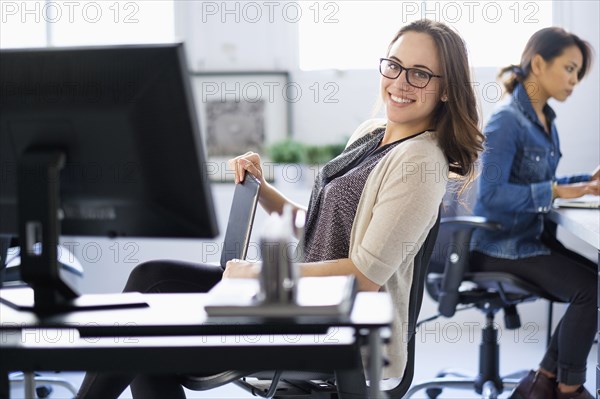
<point x="452" y="284"/>
<point x="10" y="275"/>
<point x="281" y="384"/>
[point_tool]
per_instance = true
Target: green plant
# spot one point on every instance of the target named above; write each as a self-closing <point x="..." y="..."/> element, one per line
<point x="286" y="151"/>
<point x="321" y="154"/>
<point x="336" y="149"/>
<point x="291" y="151"/>
<point x="316" y="154"/>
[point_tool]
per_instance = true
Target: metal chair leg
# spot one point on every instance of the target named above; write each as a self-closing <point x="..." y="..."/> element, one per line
<point x="29" y="380"/>
<point x="453" y="383"/>
<point x="549" y="332"/>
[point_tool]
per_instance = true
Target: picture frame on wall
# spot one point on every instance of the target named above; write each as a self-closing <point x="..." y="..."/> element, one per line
<point x="242" y="111"/>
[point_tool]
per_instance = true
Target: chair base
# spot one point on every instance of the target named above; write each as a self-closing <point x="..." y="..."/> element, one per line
<point x="488" y="383"/>
<point x="289" y="389"/>
<point x="489" y="390"/>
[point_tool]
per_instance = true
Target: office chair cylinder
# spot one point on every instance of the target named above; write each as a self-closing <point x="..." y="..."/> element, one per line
<point x="489" y="355"/>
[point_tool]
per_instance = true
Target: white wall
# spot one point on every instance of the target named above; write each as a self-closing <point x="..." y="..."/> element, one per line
<point x="578" y="118"/>
<point x="236" y="36"/>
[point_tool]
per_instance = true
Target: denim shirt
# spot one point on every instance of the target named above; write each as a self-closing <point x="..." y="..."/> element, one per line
<point x="515" y="186"/>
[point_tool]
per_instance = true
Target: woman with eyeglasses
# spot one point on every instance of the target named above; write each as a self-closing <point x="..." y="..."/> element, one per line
<point x="517" y="186"/>
<point x="369" y="204"/>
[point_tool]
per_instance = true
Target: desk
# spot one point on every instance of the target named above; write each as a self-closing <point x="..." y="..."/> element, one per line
<point x="584" y="224"/>
<point x="174" y="333"/>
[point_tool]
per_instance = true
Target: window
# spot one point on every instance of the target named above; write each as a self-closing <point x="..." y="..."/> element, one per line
<point x="21" y="25"/>
<point x="71" y="23"/>
<point x="355" y="34"/>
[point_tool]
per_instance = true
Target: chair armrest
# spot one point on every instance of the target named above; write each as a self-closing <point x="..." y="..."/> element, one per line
<point x="457" y="257"/>
<point x="470" y="222"/>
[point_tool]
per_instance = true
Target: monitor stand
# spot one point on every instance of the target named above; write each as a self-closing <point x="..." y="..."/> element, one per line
<point x="4" y="245"/>
<point x="39" y="229"/>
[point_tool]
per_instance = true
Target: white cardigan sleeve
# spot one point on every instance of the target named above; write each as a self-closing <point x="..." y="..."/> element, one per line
<point x="398" y="206"/>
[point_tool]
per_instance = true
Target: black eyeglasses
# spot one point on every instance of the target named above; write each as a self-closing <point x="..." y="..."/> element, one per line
<point x="415" y="77"/>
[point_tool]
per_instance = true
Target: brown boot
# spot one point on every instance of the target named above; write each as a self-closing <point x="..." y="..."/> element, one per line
<point x="581" y="393"/>
<point x="535" y="385"/>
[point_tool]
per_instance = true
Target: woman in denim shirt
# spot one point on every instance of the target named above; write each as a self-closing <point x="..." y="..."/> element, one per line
<point x="516" y="188"/>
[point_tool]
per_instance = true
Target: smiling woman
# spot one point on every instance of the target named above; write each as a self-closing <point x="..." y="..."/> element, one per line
<point x="410" y="100"/>
<point x="367" y="207"/>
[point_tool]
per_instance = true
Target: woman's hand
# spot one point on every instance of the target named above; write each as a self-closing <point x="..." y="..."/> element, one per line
<point x="578" y="189"/>
<point x="248" y="162"/>
<point x="241" y="269"/>
<point x="269" y="197"/>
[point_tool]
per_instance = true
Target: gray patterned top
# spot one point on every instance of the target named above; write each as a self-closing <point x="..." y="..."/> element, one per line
<point x="335" y="197"/>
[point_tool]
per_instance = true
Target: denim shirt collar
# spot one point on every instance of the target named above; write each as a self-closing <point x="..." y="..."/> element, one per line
<point x="523" y="103"/>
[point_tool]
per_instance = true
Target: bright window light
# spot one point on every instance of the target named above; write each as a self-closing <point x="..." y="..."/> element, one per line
<point x="73" y="23"/>
<point x="355" y="34"/>
<point x="117" y="22"/>
<point x="21" y="24"/>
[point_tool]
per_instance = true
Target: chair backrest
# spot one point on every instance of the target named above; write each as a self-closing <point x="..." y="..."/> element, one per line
<point x="241" y="218"/>
<point x="450" y="260"/>
<point x="452" y="206"/>
<point x="451" y="265"/>
<point x="420" y="271"/>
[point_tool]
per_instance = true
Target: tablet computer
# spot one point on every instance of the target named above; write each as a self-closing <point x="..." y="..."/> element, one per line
<point x="241" y="218"/>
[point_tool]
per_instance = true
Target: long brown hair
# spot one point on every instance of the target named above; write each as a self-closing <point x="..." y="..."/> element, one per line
<point x="549" y="43"/>
<point x="456" y="120"/>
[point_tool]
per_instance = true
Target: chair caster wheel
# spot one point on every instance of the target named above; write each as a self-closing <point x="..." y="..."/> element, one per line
<point x="43" y="391"/>
<point x="433" y="393"/>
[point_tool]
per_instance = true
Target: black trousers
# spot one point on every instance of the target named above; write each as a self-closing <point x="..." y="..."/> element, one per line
<point x="573" y="279"/>
<point x="178" y="277"/>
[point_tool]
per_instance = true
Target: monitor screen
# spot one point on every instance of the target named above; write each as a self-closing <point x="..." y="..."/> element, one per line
<point x="119" y="124"/>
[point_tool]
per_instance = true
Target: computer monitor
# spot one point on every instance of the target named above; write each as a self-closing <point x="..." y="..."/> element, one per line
<point x="97" y="141"/>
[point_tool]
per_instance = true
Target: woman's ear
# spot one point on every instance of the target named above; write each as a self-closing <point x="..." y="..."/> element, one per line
<point x="538" y="63"/>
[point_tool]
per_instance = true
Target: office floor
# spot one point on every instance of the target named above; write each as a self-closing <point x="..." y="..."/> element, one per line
<point x="443" y="343"/>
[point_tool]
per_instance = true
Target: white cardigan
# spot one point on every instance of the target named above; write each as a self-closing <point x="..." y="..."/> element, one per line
<point x="398" y="207"/>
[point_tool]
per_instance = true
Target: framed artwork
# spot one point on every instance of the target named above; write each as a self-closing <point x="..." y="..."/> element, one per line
<point x="241" y="111"/>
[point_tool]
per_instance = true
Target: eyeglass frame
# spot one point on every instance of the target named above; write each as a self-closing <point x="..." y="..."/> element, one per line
<point x="407" y="70"/>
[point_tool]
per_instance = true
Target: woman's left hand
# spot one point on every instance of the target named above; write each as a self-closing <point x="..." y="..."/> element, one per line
<point x="576" y="190"/>
<point x="241" y="269"/>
